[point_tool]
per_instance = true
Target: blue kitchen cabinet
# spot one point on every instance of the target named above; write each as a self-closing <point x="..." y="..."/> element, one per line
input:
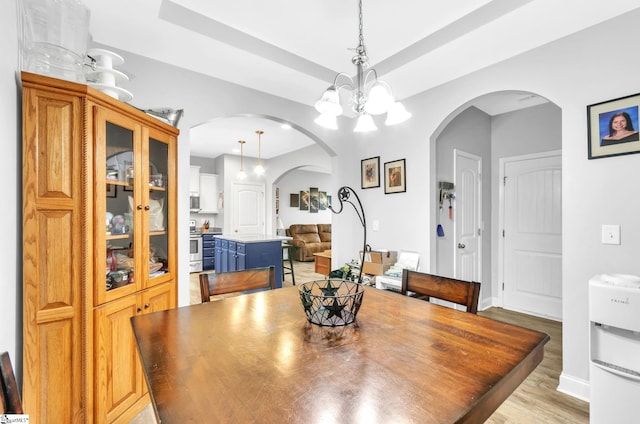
<point x="217" y="242"/>
<point x="236" y="255"/>
<point x="208" y="252"/>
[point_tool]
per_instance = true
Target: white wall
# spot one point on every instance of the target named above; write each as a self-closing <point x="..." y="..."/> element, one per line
<point x="294" y="182"/>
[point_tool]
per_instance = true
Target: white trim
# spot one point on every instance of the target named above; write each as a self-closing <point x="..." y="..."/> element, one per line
<point x="574" y="386"/>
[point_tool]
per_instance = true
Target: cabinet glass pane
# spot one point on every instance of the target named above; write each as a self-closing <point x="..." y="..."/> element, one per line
<point x="120" y="172"/>
<point x="158" y="208"/>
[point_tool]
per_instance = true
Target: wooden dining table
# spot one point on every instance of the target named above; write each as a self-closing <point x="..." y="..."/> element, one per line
<point x="255" y="359"/>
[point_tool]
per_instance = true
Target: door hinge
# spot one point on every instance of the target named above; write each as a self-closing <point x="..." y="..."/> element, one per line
<point x="502" y="233"/>
<point x="503" y="286"/>
<point x="479" y="232"/>
<point x="504" y="181"/>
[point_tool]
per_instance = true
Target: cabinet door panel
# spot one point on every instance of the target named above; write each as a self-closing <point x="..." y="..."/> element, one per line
<point x="54" y="255"/>
<point x="117" y="366"/>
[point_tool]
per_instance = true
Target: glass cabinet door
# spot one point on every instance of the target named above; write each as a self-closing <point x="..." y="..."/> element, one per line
<point x="158" y="209"/>
<point x="134" y="209"/>
<point x="117" y="220"/>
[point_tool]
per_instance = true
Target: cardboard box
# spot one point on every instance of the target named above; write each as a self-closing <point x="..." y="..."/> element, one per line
<point x="377" y="262"/>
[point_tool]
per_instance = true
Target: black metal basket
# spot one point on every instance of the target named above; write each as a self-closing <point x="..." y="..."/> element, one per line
<point x="331" y="302"/>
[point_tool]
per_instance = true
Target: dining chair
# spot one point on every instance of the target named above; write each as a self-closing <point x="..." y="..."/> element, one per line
<point x="11" y="403"/>
<point x="236" y="281"/>
<point x="461" y="292"/>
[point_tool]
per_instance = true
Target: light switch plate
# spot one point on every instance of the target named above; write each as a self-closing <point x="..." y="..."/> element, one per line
<point x="610" y="234"/>
<point x="376" y="225"/>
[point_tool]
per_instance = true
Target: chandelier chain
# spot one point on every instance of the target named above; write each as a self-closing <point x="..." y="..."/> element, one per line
<point x="360" y="49"/>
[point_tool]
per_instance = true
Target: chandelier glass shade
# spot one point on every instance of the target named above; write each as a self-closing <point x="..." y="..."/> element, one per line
<point x="369" y="95"/>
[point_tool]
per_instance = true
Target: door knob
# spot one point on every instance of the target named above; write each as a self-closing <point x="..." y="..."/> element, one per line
<point x="461" y="246"/>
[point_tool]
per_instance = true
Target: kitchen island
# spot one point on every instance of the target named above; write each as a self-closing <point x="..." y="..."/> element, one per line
<point x="245" y="251"/>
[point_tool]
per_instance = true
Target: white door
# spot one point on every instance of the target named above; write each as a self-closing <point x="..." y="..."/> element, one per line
<point x="248" y="208"/>
<point x="468" y="219"/>
<point x="532" y="235"/>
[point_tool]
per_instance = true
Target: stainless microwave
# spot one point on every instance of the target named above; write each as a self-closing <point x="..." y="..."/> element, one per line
<point x="194" y="203"/>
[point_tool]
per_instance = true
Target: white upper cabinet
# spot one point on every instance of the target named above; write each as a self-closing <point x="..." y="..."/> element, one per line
<point x="208" y="193"/>
<point x="194" y="181"/>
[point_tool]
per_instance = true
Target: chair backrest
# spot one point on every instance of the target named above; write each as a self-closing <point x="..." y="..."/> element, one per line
<point x="236" y="281"/>
<point x="11" y="403"/>
<point x="461" y="292"/>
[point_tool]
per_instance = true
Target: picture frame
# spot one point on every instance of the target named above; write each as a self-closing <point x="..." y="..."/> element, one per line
<point x="370" y="172"/>
<point x="313" y="200"/>
<point x="294" y="200"/>
<point x="605" y="136"/>
<point x="304" y="200"/>
<point x="395" y="174"/>
<point x="322" y="202"/>
<point x="112" y="190"/>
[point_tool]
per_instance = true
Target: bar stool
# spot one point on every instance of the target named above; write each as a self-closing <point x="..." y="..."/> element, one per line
<point x="287" y="268"/>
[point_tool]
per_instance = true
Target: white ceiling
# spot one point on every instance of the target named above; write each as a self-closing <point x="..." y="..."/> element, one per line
<point x="293" y="49"/>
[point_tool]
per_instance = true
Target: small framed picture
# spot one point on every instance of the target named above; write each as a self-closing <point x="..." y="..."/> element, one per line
<point x="395" y="177"/>
<point x="613" y="127"/>
<point x="294" y="200"/>
<point x="370" y="172"/>
<point x="112" y="190"/>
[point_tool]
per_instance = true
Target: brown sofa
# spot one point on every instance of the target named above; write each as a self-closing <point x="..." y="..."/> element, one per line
<point x="309" y="239"/>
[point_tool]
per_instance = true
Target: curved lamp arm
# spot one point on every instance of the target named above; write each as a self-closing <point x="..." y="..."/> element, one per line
<point x="343" y="195"/>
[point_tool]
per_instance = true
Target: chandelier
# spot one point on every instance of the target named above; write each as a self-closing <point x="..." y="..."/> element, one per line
<point x="369" y="95"/>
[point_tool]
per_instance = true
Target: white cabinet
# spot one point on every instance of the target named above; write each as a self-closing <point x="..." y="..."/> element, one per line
<point x="208" y="193"/>
<point x="194" y="181"/>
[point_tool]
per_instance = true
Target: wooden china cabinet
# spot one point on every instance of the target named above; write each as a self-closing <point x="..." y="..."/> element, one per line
<point x="99" y="246"/>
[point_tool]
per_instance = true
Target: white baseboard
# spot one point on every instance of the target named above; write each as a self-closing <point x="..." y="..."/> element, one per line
<point x="487" y="303"/>
<point x="573" y="386"/>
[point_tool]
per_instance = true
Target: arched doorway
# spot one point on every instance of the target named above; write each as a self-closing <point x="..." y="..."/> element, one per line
<point x="494" y="127"/>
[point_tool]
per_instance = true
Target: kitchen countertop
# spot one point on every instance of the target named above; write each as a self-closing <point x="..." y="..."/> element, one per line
<point x="254" y="238"/>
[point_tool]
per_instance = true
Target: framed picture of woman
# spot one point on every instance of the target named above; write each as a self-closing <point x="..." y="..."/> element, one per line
<point x="613" y="127"/>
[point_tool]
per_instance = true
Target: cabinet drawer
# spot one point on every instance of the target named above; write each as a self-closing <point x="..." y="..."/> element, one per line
<point x="218" y="242"/>
<point x="207" y="237"/>
<point x="240" y="248"/>
<point x="224" y="243"/>
<point x="208" y="264"/>
<point x="208" y="252"/>
<point x="208" y="244"/>
<point x="232" y="246"/>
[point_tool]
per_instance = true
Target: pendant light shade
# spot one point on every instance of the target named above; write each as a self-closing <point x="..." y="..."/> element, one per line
<point x="241" y="174"/>
<point x="380" y="99"/>
<point x="259" y="169"/>
<point x="365" y="124"/>
<point x="327" y="120"/>
<point x="329" y="103"/>
<point x="397" y="114"/>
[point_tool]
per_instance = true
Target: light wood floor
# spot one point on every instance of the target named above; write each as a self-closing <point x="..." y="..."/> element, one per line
<point x="535" y="401"/>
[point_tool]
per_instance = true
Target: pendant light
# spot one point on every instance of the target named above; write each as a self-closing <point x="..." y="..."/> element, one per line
<point x="242" y="175"/>
<point x="259" y="169"/>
